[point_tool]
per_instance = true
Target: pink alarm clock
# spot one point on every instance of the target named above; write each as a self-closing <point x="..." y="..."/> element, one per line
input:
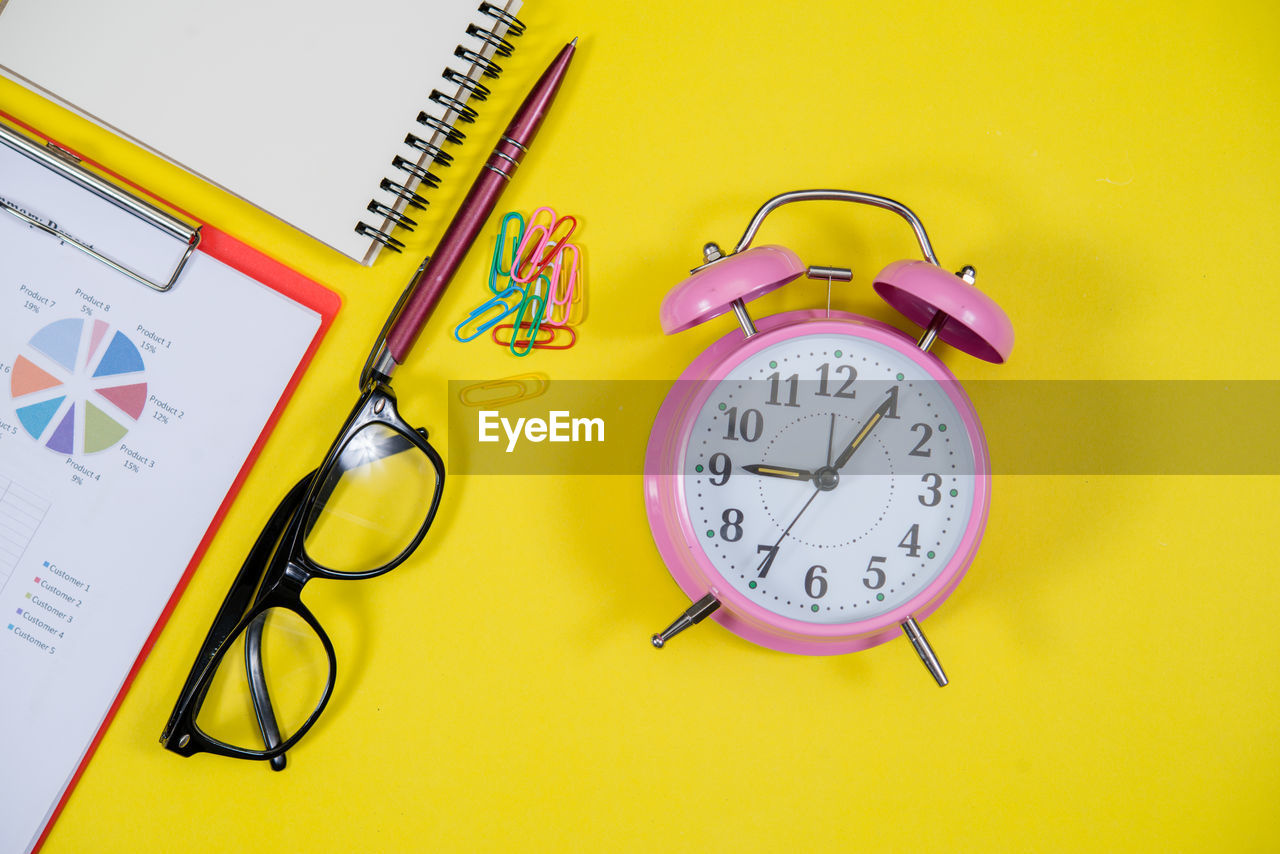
<point x="817" y="479"/>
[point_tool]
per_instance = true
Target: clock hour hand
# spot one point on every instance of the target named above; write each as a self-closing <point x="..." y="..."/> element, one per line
<point x="784" y="472"/>
<point x="881" y="411"/>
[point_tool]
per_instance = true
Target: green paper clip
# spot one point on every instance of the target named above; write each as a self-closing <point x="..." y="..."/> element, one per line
<point x="532" y="296"/>
<point x="495" y="269"/>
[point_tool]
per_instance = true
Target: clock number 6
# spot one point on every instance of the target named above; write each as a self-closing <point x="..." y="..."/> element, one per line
<point x="814" y="583"/>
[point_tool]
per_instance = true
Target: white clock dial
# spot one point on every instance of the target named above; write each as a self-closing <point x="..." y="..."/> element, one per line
<point x="793" y="520"/>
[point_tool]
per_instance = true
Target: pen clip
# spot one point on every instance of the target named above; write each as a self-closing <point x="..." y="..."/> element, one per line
<point x="379" y="360"/>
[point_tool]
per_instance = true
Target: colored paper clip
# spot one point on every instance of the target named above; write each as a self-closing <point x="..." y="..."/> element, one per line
<point x="523" y="270"/>
<point x="563" y="292"/>
<point x="551" y="216"/>
<point x="549" y="337"/>
<point x="516" y="295"/>
<point x="533" y="305"/>
<point x="500" y="392"/>
<point x="499" y="251"/>
<point x="533" y="256"/>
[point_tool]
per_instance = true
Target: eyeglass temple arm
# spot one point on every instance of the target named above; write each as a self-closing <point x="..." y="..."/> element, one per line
<point x="241" y="594"/>
<point x="258" y="690"/>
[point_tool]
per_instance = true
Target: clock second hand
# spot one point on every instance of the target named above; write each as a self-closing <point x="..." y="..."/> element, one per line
<point x="793" y="522"/>
<point x="800" y="474"/>
<point x="824" y="480"/>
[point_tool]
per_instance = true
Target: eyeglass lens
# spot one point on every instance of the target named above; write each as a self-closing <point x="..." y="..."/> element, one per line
<point x="372" y="502"/>
<point x="282" y="655"/>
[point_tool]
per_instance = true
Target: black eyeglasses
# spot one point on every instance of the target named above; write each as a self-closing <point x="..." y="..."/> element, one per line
<point x="267" y="668"/>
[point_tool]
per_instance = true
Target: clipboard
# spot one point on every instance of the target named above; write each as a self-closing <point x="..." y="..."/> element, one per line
<point x="109" y="405"/>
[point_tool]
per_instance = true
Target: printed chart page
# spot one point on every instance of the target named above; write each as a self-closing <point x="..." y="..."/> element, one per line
<point x="125" y="415"/>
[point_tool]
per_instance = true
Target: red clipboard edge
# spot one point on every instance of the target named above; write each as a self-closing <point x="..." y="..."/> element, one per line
<point x="291" y="284"/>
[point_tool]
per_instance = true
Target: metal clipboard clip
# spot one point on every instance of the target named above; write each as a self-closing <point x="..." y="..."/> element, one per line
<point x="65" y="164"/>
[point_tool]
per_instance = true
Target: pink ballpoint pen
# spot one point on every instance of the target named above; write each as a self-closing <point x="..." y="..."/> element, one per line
<point x="435" y="274"/>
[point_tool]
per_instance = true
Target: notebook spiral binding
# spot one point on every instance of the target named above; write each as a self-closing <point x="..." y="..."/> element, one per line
<point x="423" y="149"/>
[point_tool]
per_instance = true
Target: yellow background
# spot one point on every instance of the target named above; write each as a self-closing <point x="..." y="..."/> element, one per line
<point x="1111" y="171"/>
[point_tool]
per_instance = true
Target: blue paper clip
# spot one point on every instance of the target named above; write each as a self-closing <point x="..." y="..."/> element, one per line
<point x="498" y="302"/>
<point x="495" y="269"/>
<point x="535" y="297"/>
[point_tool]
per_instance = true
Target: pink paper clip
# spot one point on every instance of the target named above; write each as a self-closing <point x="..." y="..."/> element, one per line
<point x="551" y="216"/>
<point x="523" y="270"/>
<point x="563" y="275"/>
<point x="533" y="249"/>
<point x="549" y="337"/>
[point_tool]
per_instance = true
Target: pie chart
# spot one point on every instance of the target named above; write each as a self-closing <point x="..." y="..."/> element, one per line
<point x="78" y="386"/>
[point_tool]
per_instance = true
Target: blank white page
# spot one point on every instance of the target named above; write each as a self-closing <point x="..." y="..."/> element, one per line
<point x="296" y="107"/>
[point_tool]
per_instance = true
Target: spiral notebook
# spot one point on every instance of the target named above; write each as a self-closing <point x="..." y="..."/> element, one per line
<point x="329" y="114"/>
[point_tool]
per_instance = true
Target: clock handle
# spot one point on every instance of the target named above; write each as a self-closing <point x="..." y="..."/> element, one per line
<point x="839" y="196"/>
<point x="926" y="653"/>
<point x="696" y="613"/>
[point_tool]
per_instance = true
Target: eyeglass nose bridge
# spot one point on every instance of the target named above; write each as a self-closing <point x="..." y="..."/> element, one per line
<point x="295" y="577"/>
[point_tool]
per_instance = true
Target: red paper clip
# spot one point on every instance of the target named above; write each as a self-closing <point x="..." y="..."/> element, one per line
<point x="546" y="339"/>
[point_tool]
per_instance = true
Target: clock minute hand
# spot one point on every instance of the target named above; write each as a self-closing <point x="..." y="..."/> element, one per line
<point x="784" y="472"/>
<point x="880" y="412"/>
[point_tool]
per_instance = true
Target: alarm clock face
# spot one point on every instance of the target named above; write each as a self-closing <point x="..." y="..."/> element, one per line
<point x="834" y="477"/>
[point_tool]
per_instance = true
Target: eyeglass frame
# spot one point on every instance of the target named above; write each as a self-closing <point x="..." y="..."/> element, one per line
<point x="273" y="575"/>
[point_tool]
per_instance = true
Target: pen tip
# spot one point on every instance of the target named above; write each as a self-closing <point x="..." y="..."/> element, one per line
<point x="574" y="43"/>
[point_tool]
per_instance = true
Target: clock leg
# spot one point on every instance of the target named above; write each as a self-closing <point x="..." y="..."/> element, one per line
<point x="696" y="613"/>
<point x="913" y="630"/>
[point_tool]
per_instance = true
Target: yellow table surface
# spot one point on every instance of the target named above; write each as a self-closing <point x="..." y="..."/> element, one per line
<point x="1111" y="170"/>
